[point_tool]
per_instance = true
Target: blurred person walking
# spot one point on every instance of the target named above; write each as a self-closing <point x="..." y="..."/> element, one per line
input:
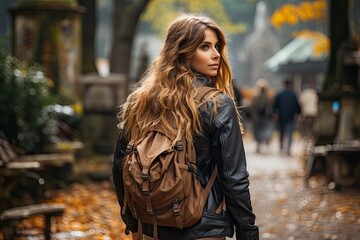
<point x="261" y="112"/>
<point x="309" y="109"/>
<point x="286" y="109"/>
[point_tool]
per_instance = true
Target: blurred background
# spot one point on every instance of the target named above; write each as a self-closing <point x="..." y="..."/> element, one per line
<point x="67" y="65"/>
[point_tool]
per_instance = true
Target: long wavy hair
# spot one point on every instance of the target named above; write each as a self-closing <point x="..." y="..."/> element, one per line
<point x="167" y="86"/>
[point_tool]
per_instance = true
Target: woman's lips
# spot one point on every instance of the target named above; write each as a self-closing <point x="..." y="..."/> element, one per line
<point x="214" y="65"/>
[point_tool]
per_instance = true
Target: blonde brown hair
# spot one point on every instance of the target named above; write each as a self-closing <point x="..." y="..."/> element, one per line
<point x="167" y="87"/>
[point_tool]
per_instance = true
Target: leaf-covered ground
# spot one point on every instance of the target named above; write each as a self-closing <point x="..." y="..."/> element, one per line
<point x="285" y="208"/>
<point x="92" y="212"/>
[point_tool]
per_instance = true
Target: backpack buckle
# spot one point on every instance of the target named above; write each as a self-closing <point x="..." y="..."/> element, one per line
<point x="179" y="146"/>
<point x="176" y="208"/>
<point x="145" y="191"/>
<point x="130" y="148"/>
<point x="176" y="212"/>
<point x="145" y="176"/>
<point x="197" y="173"/>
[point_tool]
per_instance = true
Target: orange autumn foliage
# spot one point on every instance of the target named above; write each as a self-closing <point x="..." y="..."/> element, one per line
<point x="305" y="11"/>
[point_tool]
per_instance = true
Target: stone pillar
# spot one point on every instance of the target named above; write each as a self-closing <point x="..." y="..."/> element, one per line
<point x="48" y="32"/>
<point x="101" y="98"/>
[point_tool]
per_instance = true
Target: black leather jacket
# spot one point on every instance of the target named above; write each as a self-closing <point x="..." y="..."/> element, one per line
<point x="222" y="144"/>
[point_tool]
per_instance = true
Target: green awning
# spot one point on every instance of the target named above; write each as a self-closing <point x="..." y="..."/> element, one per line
<point x="297" y="56"/>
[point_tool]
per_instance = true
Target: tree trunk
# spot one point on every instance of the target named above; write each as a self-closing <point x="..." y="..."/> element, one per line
<point x="126" y="16"/>
<point x="339" y="34"/>
<point x="88" y="36"/>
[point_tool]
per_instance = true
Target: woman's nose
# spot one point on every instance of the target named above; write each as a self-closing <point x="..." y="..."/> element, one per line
<point x="215" y="54"/>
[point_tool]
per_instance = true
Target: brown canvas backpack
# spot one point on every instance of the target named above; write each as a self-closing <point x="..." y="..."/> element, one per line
<point x="161" y="183"/>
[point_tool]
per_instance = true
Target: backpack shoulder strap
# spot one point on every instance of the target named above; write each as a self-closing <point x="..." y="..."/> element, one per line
<point x="202" y="91"/>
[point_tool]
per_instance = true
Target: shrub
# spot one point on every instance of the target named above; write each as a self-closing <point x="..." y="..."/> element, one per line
<point x="25" y="104"/>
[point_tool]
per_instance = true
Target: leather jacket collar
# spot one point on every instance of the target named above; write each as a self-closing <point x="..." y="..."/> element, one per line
<point x="202" y="80"/>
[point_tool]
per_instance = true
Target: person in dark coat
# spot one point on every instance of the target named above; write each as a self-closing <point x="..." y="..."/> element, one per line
<point x="286" y="109"/>
<point x="261" y="110"/>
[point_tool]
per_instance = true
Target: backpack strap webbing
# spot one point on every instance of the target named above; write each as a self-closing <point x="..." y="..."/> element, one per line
<point x="211" y="181"/>
<point x="221" y="207"/>
<point x="202" y="91"/>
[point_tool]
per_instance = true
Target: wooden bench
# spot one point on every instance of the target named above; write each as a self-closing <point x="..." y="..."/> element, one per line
<point x="30" y="172"/>
<point x="47" y="159"/>
<point x="46" y="166"/>
<point x="12" y="162"/>
<point x="60" y="155"/>
<point x="315" y="153"/>
<point x="9" y="219"/>
<point x="343" y="164"/>
<point x="339" y="157"/>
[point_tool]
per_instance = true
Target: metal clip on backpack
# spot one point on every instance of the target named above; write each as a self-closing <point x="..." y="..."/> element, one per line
<point x="160" y="180"/>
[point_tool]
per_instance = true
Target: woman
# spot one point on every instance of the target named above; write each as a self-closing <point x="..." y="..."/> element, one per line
<point x="194" y="55"/>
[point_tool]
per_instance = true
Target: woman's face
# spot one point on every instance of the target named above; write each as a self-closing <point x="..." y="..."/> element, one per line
<point x="207" y="57"/>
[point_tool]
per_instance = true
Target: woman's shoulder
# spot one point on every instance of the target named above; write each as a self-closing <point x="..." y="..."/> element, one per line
<point x="217" y="104"/>
<point x="220" y="98"/>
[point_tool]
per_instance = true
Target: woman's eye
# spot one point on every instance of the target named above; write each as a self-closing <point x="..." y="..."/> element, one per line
<point x="217" y="47"/>
<point x="204" y="47"/>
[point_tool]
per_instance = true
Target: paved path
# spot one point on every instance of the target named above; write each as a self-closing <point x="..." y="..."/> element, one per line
<point x="286" y="209"/>
<point x="268" y="162"/>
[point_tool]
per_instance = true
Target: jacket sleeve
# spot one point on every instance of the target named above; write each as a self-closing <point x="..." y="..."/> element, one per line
<point x="229" y="153"/>
<point x="120" y="151"/>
